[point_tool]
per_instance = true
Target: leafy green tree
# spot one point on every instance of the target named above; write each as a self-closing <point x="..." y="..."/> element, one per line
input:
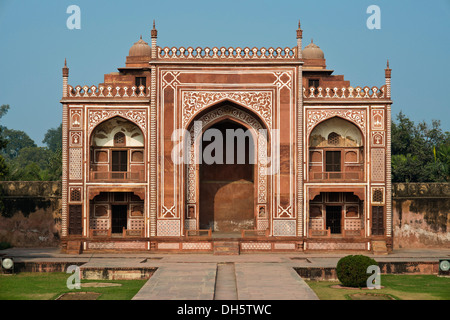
<point x="17" y="140"/>
<point x="442" y="156"/>
<point x="53" y="138"/>
<point x="53" y="172"/>
<point x="3" y="165"/>
<point x="31" y="172"/>
<point x="415" y="150"/>
<point x="28" y="159"/>
<point x="4" y="108"/>
<point x="22" y="159"/>
<point x="3" y="144"/>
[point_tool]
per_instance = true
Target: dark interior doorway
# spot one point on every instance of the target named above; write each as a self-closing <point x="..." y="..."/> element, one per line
<point x="333" y="161"/>
<point x="377" y="220"/>
<point x="119" y="160"/>
<point x="333" y="219"/>
<point x="118" y="218"/>
<point x="227" y="189"/>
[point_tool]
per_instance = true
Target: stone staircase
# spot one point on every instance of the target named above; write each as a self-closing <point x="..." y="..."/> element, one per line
<point x="74" y="247"/>
<point x="226" y="247"/>
<point x="379" y="247"/>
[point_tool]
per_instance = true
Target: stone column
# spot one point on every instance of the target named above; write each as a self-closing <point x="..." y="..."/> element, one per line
<point x="65" y="122"/>
<point x="152" y="199"/>
<point x="388" y="155"/>
<point x="300" y="209"/>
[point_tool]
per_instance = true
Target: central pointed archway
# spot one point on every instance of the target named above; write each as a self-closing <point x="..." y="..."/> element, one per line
<point x="227" y="185"/>
<point x="227" y="197"/>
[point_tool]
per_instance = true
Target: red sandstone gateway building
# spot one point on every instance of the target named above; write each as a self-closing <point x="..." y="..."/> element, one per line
<point x="123" y="191"/>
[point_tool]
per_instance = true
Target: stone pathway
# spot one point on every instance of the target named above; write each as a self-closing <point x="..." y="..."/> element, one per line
<point x="180" y="281"/>
<point x="270" y="281"/>
<point x="225" y="281"/>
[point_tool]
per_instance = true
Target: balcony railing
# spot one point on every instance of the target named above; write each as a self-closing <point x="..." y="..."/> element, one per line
<point x="227" y="53"/>
<point x="131" y="92"/>
<point x="126" y="233"/>
<point x="345" y="92"/>
<point x="117" y="176"/>
<point x="348" y="175"/>
<point x="326" y="233"/>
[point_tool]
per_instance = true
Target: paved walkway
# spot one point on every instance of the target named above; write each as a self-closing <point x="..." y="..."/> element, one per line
<point x="240" y="281"/>
<point x="269" y="281"/>
<point x="226" y="282"/>
<point x="193" y="281"/>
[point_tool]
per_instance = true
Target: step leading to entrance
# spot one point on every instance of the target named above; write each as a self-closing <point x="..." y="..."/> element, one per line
<point x="226" y="247"/>
<point x="379" y="247"/>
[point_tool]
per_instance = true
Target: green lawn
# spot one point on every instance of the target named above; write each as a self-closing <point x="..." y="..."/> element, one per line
<point x="403" y="287"/>
<point x="49" y="286"/>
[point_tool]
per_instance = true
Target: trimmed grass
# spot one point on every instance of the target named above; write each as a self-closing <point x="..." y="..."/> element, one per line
<point x="49" y="286"/>
<point x="401" y="287"/>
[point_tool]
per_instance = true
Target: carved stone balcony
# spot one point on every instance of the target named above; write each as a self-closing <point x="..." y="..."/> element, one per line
<point x="337" y="176"/>
<point x="117" y="176"/>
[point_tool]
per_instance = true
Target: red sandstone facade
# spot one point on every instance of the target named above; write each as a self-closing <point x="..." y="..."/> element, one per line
<point x="123" y="191"/>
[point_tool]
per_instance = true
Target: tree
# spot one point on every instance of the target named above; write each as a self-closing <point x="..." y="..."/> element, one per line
<point x="28" y="160"/>
<point x="419" y="152"/>
<point x="3" y="144"/>
<point x="17" y="140"/>
<point x="22" y="159"/>
<point x="3" y="165"/>
<point x="4" y="110"/>
<point x="53" y="138"/>
<point x="53" y="172"/>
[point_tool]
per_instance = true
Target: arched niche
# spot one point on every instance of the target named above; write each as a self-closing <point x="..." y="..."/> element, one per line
<point x="117" y="151"/>
<point x="105" y="133"/>
<point x="336" y="151"/>
<point x="336" y="132"/>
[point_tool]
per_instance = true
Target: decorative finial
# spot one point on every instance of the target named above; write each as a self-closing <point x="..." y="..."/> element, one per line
<point x="299" y="31"/>
<point x="65" y="69"/>
<point x="154" y="32"/>
<point x="312" y="40"/>
<point x="141" y="37"/>
<point x="387" y="71"/>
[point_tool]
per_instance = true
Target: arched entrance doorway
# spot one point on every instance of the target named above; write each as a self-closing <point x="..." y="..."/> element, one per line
<point x="227" y="182"/>
<point x="227" y="197"/>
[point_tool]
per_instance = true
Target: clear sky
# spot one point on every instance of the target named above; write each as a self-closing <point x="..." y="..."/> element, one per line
<point x="34" y="40"/>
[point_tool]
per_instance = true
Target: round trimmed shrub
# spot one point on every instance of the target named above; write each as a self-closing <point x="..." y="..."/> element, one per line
<point x="4" y="245"/>
<point x="351" y="270"/>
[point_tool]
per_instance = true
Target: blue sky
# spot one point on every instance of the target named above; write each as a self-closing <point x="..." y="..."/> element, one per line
<point x="34" y="40"/>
